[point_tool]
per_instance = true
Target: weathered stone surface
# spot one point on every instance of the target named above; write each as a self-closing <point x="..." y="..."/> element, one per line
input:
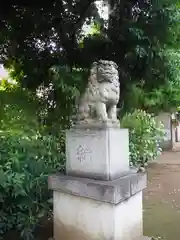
<point x="138" y="182"/>
<point x="78" y="218"/>
<point x="98" y="103"/>
<point x="97" y="153"/>
<point x="113" y="192"/>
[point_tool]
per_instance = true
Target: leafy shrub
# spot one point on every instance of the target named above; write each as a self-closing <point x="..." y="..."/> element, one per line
<point x="25" y="163"/>
<point x="29" y="152"/>
<point x="145" y="136"/>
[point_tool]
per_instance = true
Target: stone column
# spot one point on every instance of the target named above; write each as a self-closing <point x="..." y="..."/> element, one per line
<point x="99" y="197"/>
<point x="167" y="142"/>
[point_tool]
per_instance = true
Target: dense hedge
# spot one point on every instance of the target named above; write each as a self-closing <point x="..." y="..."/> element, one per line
<point x="145" y="134"/>
<point x="25" y="163"/>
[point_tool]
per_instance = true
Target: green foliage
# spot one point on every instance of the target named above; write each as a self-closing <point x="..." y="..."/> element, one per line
<point x="29" y="152"/>
<point x="50" y="39"/>
<point x="137" y="37"/>
<point x="142" y="37"/>
<point x="60" y="100"/>
<point x="145" y="134"/>
<point x="165" y="97"/>
<point x="25" y="163"/>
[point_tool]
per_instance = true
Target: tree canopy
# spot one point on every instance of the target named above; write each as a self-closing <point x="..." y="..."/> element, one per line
<point x="48" y="54"/>
<point x="137" y="36"/>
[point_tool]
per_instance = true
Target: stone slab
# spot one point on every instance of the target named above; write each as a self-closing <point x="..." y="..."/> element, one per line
<point x="97" y="153"/>
<point x="77" y="218"/>
<point x="113" y="192"/>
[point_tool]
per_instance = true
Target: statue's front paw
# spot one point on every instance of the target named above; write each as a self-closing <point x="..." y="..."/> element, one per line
<point x="114" y="120"/>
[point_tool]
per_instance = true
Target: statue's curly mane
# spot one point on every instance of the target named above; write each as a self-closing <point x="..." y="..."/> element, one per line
<point x="102" y="67"/>
<point x="102" y="89"/>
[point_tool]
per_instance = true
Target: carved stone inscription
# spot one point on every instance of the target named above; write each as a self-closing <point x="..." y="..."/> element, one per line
<point x="83" y="154"/>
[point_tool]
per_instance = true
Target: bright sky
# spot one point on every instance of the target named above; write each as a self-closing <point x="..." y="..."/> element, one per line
<point x="3" y="72"/>
<point x="103" y="9"/>
<point x="103" y="12"/>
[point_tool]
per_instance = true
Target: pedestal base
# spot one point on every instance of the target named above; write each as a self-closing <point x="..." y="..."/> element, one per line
<point x="87" y="209"/>
<point x="77" y="218"/>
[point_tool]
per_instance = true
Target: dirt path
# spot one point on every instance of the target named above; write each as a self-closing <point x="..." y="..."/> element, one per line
<point x="162" y="197"/>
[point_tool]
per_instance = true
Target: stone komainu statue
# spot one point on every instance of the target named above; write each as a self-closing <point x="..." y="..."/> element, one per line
<point x="98" y="103"/>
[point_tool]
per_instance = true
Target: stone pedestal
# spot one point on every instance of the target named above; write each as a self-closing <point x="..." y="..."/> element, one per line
<point x="97" y="153"/>
<point x="99" y="198"/>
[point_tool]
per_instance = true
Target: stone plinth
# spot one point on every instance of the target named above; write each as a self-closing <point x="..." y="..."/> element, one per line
<point x="99" y="153"/>
<point x="99" y="198"/>
<point x="90" y="209"/>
